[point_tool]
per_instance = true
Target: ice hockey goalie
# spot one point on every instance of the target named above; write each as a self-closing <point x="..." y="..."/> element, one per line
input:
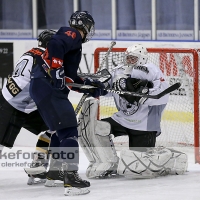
<point x="96" y="142"/>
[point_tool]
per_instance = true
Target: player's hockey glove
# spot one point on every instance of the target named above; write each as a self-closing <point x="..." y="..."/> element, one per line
<point x="95" y="92"/>
<point x="134" y="85"/>
<point x="58" y="77"/>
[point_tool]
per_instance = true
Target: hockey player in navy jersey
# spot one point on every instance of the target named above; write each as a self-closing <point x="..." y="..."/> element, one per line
<point x="137" y="117"/>
<point x="57" y="66"/>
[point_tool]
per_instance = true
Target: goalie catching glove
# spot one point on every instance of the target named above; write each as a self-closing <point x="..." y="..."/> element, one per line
<point x="133" y="85"/>
<point x="94" y="92"/>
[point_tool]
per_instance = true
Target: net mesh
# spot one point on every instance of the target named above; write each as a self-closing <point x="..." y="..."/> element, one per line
<point x="178" y="119"/>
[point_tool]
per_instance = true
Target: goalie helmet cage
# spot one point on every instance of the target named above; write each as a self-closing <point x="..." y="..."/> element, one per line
<point x="180" y="119"/>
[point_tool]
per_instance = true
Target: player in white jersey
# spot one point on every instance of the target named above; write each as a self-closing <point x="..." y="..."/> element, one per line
<point x="17" y="109"/>
<point x="137" y="117"/>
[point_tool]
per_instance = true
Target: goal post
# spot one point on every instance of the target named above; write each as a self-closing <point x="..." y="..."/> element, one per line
<point x="180" y="120"/>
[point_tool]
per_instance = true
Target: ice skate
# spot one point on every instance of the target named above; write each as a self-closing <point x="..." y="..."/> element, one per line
<point x="55" y="173"/>
<point x="73" y="184"/>
<point x="37" y="171"/>
<point x="36" y="179"/>
<point x="36" y="167"/>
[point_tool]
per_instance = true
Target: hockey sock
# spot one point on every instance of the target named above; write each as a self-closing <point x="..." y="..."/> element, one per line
<point x="54" y="147"/>
<point x="43" y="142"/>
<point x="69" y="148"/>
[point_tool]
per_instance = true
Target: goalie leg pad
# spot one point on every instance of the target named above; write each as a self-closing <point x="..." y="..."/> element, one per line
<point x="101" y="170"/>
<point x="178" y="163"/>
<point x="153" y="163"/>
<point x="94" y="138"/>
<point x="85" y="130"/>
<point x="135" y="164"/>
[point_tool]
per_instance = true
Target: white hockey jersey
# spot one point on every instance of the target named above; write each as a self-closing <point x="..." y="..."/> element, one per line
<point x="16" y="88"/>
<point x="143" y="117"/>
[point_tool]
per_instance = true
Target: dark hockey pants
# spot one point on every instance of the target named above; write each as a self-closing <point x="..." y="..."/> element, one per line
<point x="138" y="140"/>
<point x="12" y="120"/>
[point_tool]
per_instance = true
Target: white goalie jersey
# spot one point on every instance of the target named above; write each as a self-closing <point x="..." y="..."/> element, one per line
<point x="143" y="117"/>
<point x="16" y="88"/>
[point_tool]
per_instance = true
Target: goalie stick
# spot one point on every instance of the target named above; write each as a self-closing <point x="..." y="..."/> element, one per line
<point x="85" y="96"/>
<point x="157" y="96"/>
<point x="101" y="75"/>
<point x="82" y="100"/>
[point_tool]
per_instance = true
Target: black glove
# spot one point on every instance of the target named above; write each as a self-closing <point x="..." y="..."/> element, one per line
<point x="134" y="84"/>
<point x="138" y="86"/>
<point x="95" y="92"/>
<point x="142" y="90"/>
<point x="120" y="84"/>
<point x="58" y="77"/>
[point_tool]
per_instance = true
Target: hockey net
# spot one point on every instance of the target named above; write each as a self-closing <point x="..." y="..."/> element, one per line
<point x="180" y="119"/>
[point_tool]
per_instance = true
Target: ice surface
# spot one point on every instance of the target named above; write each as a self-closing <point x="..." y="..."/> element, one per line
<point x="13" y="183"/>
<point x="185" y="187"/>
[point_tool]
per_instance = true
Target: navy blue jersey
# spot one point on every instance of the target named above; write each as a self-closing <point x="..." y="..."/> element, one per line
<point x="65" y="49"/>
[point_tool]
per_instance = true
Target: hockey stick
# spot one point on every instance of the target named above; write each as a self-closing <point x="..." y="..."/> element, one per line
<point x="85" y="96"/>
<point x="157" y="96"/>
<point x="113" y="43"/>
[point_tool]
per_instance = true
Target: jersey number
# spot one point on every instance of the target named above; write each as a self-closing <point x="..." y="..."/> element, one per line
<point x="71" y="34"/>
<point x="19" y="69"/>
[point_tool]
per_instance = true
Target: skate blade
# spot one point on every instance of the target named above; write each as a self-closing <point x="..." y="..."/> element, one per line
<point x="35" y="170"/>
<point x="72" y="191"/>
<point x="51" y="183"/>
<point x="33" y="181"/>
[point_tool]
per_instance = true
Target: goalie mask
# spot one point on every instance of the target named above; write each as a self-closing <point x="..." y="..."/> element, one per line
<point x="83" y="20"/>
<point x="44" y="37"/>
<point x="135" y="55"/>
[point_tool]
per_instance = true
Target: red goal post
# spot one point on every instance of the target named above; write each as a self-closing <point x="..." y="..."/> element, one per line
<point x="180" y="121"/>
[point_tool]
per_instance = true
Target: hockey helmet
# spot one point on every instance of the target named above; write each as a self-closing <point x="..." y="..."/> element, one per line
<point x="83" y="20"/>
<point x="44" y="37"/>
<point x="135" y="55"/>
